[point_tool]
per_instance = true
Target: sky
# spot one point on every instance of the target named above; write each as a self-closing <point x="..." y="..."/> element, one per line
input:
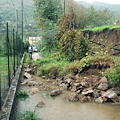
<point x="107" y="1"/>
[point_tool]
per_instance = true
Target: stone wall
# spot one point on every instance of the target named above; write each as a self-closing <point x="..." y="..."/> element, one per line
<point x="10" y="102"/>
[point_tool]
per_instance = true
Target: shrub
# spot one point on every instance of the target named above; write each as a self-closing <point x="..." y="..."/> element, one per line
<point x="73" y="46"/>
<point x="114" y="76"/>
<point x="29" y="115"/>
<point x="22" y="95"/>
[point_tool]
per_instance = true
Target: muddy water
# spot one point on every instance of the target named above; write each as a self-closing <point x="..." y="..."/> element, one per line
<point x="60" y="108"/>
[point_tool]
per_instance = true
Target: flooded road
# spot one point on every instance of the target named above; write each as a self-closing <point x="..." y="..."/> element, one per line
<point x="60" y="108"/>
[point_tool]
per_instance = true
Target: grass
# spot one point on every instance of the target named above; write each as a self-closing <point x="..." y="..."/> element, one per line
<point x="100" y="29"/>
<point x="22" y="95"/>
<point x="29" y="115"/>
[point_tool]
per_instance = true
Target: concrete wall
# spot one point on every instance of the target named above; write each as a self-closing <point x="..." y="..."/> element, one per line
<point x="10" y="102"/>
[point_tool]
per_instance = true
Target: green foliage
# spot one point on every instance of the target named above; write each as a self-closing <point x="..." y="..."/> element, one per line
<point x="26" y="45"/>
<point x="100" y="29"/>
<point x="47" y="10"/>
<point x="22" y="95"/>
<point x="29" y="115"/>
<point x="73" y="46"/>
<point x="114" y="76"/>
<point x="27" y="59"/>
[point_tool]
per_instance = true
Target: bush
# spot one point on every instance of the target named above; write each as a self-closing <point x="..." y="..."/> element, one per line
<point x="22" y="95"/>
<point x="73" y="46"/>
<point x="29" y="115"/>
<point x="114" y="76"/>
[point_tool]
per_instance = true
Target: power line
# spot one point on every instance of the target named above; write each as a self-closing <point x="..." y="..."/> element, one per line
<point x="13" y="5"/>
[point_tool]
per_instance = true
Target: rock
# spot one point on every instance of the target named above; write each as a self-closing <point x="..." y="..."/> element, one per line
<point x="74" y="89"/>
<point x="62" y="85"/>
<point x="104" y="80"/>
<point x="83" y="98"/>
<point x="103" y="86"/>
<point x="24" y="83"/>
<point x="78" y="91"/>
<point x="28" y="70"/>
<point x="32" y="83"/>
<point x="73" y="97"/>
<point x="68" y="80"/>
<point x="89" y="98"/>
<point x="87" y="92"/>
<point x="101" y="100"/>
<point x="40" y="104"/>
<point x="55" y="92"/>
<point x="111" y="95"/>
<point x="77" y="84"/>
<point x="44" y="87"/>
<point x="34" y="91"/>
<point x="44" y="77"/>
<point x="57" y="82"/>
<point x="96" y="93"/>
<point x="84" y="84"/>
<point x="27" y="75"/>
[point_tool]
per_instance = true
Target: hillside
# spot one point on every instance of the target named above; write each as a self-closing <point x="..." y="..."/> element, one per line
<point x="8" y="12"/>
<point x="102" y="5"/>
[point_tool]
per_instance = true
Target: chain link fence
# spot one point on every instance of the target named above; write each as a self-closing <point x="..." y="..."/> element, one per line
<point x="11" y="51"/>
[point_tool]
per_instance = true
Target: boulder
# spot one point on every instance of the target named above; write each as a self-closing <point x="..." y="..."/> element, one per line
<point x="32" y="83"/>
<point x="103" y="80"/>
<point x="33" y="91"/>
<point x="87" y="92"/>
<point x="111" y="95"/>
<point x="84" y="84"/>
<point x="57" y="82"/>
<point x="74" y="89"/>
<point x="27" y="75"/>
<point x="44" y="77"/>
<point x="103" y="86"/>
<point x="28" y="70"/>
<point x="83" y="98"/>
<point x="44" y="87"/>
<point x="101" y="100"/>
<point x="24" y="83"/>
<point x="68" y="80"/>
<point x="73" y="97"/>
<point x="55" y="92"/>
<point x="41" y="104"/>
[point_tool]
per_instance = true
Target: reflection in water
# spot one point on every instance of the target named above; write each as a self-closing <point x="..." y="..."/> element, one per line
<point x="61" y="109"/>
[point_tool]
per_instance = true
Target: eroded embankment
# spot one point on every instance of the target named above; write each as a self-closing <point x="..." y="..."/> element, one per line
<point x="110" y="38"/>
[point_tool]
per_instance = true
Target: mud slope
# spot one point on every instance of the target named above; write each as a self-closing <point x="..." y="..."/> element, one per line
<point x="107" y="36"/>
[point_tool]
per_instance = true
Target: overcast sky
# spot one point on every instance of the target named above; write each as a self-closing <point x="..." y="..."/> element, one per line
<point x="107" y="1"/>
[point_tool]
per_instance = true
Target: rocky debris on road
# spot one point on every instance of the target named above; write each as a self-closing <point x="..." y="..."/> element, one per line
<point x="55" y="92"/>
<point x="28" y="70"/>
<point x="41" y="104"/>
<point x="27" y="75"/>
<point x="33" y="91"/>
<point x="43" y="87"/>
<point x="88" y="89"/>
<point x="73" y="97"/>
<point x="44" y="77"/>
<point x="29" y="83"/>
<point x="101" y="100"/>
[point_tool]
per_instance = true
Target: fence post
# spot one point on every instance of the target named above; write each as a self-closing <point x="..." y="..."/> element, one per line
<point x="17" y="47"/>
<point x="8" y="56"/>
<point x="0" y="94"/>
<point x="13" y="52"/>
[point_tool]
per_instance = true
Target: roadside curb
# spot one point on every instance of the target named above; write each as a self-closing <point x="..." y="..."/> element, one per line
<point x="9" y="107"/>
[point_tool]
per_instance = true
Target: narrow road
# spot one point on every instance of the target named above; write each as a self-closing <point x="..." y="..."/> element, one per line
<point x="36" y="55"/>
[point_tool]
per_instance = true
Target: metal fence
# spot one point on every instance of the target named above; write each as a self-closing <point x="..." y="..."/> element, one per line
<point x="11" y="51"/>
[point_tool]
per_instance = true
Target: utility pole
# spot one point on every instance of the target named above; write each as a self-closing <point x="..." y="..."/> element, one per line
<point x="22" y="20"/>
<point x="16" y="20"/>
<point x="64" y="7"/>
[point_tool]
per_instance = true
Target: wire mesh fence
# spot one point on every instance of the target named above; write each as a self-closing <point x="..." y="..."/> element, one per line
<point x="11" y="51"/>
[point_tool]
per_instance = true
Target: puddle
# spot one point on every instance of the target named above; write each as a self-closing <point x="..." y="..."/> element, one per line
<point x="60" y="108"/>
